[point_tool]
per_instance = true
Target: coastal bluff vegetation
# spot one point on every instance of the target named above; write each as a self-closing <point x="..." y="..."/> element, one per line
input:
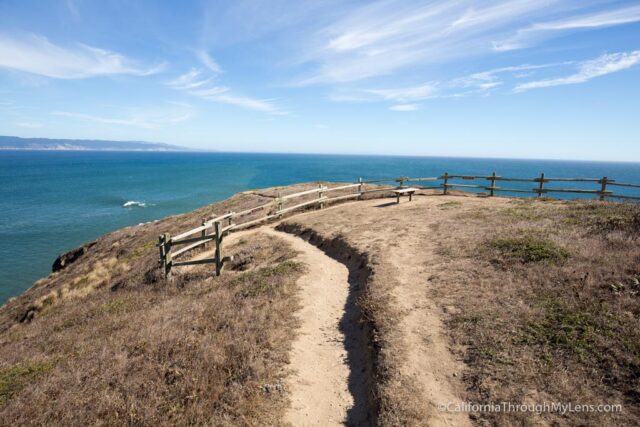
<point x="444" y="299"/>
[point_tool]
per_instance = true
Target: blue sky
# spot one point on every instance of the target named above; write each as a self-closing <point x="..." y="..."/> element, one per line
<point x="528" y="78"/>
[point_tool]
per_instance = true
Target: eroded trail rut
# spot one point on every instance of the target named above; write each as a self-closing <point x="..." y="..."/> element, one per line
<point x="328" y="382"/>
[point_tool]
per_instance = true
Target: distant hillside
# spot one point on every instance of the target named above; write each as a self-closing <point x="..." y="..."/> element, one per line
<point x="17" y="143"/>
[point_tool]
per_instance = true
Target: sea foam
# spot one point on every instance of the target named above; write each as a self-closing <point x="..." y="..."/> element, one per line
<point x="134" y="203"/>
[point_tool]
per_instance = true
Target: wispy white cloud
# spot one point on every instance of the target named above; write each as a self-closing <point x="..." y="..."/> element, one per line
<point x="210" y="91"/>
<point x="190" y="80"/>
<point x="29" y="125"/>
<point x="73" y="8"/>
<point x="539" y="31"/>
<point x="263" y="105"/>
<point x="381" y="38"/>
<point x="194" y="84"/>
<point x="10" y="106"/>
<point x="208" y="61"/>
<point x="423" y="91"/>
<point x="587" y="70"/>
<point x="243" y="21"/>
<point x="37" y="55"/>
<point x="147" y="119"/>
<point x="106" y="120"/>
<point x="405" y="107"/>
<point x="484" y="81"/>
<point x="480" y="83"/>
<point x="223" y="95"/>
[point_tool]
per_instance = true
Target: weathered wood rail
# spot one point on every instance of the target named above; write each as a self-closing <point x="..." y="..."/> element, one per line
<point x="214" y="230"/>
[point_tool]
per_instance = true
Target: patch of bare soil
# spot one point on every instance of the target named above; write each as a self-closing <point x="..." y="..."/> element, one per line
<point x="327" y="385"/>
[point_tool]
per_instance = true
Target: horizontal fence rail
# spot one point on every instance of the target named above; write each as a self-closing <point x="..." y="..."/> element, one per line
<point x="215" y="229"/>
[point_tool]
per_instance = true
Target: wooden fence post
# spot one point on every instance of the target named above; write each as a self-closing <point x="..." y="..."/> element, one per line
<point x="218" y="240"/>
<point x="204" y="232"/>
<point x="446" y="179"/>
<point x="360" y="188"/>
<point x="541" y="186"/>
<point x="167" y="255"/>
<point x="320" y="194"/>
<point x="493" y="183"/>
<point x="279" y="202"/>
<point x="163" y="259"/>
<point x="603" y="187"/>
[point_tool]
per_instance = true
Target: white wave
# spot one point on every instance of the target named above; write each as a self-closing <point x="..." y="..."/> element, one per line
<point x="134" y="203"/>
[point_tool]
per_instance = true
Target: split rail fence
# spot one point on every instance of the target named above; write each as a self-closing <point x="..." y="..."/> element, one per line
<point x="214" y="230"/>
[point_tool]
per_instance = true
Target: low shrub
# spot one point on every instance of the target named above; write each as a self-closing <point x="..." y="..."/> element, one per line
<point x="529" y="249"/>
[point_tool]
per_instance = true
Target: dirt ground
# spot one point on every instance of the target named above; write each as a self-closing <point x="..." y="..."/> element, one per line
<point x="423" y="373"/>
<point x="324" y="389"/>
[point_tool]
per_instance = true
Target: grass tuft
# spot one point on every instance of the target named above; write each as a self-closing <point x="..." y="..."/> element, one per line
<point x="529" y="249"/>
<point x="605" y="218"/>
<point x="16" y="377"/>
<point x="140" y="251"/>
<point x="264" y="281"/>
<point x="564" y="327"/>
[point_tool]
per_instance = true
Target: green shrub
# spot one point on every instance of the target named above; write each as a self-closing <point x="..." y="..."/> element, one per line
<point x="264" y="280"/>
<point x="564" y="327"/>
<point x="529" y="249"/>
<point x="14" y="378"/>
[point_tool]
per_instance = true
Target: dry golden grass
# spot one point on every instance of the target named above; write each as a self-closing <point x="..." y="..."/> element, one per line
<point x="106" y="341"/>
<point x="543" y="303"/>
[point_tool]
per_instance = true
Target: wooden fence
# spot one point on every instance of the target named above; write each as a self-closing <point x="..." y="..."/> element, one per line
<point x="214" y="230"/>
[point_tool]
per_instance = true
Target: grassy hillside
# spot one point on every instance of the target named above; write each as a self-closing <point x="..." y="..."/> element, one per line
<point x="530" y="301"/>
<point x="107" y="340"/>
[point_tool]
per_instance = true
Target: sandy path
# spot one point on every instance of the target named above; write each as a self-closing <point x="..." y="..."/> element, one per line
<point x="410" y="257"/>
<point x="324" y="390"/>
<point x="428" y="360"/>
<point x="402" y="237"/>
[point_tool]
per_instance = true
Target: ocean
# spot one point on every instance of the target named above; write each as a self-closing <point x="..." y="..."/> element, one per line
<point x="53" y="201"/>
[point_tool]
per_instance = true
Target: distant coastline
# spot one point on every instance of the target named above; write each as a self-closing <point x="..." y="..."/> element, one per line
<point x="12" y="143"/>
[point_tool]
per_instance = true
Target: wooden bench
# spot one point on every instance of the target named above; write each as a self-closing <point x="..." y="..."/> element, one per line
<point x="404" y="190"/>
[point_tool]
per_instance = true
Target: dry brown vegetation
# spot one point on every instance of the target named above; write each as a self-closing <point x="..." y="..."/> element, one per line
<point x="107" y="341"/>
<point x="543" y="303"/>
<point x="201" y="350"/>
<point x="462" y="298"/>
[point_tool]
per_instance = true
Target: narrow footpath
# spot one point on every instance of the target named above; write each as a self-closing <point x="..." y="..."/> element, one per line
<point x="327" y="383"/>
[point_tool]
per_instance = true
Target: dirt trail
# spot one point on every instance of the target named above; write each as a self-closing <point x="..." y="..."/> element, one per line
<point x="429" y="360"/>
<point x="327" y="386"/>
<point x="406" y="257"/>
<point x="410" y="258"/>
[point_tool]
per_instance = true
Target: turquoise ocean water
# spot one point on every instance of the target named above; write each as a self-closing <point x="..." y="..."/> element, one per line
<point x="51" y="202"/>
